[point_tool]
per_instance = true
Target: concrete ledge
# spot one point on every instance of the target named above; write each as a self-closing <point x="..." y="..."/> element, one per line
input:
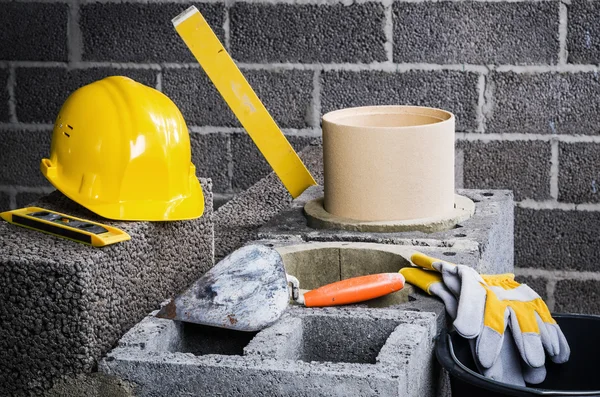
<point x="66" y="304"/>
<point x="318" y="218"/>
<point x="484" y="241"/>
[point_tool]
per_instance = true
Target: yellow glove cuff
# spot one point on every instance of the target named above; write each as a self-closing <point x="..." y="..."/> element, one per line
<point x="424" y="261"/>
<point x="421" y="278"/>
<point x="506" y="280"/>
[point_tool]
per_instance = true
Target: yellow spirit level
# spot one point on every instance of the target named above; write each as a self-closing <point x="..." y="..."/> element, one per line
<point x="250" y="111"/>
<point x="66" y="226"/>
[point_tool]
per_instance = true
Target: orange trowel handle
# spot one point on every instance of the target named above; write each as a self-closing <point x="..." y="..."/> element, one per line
<point x="353" y="290"/>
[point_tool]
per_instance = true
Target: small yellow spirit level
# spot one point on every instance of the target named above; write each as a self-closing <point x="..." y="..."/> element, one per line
<point x="243" y="101"/>
<point x="66" y="226"/>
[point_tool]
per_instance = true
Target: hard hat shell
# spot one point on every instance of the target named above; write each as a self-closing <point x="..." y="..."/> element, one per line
<point x="122" y="150"/>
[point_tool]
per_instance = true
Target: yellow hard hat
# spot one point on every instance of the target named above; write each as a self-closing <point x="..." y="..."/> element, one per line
<point x="122" y="150"/>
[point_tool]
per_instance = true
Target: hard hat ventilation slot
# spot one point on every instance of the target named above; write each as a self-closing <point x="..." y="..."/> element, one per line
<point x="69" y="126"/>
<point x="68" y="136"/>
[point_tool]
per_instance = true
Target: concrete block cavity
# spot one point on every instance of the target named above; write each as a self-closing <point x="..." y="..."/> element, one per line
<point x="200" y="340"/>
<point x="349" y="340"/>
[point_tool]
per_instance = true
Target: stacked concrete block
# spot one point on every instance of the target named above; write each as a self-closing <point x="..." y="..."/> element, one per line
<point x="369" y="349"/>
<point x="65" y="304"/>
<point x="267" y="211"/>
<point x="485" y="241"/>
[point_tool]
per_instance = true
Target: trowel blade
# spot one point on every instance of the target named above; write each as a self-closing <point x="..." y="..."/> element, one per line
<point x="246" y="291"/>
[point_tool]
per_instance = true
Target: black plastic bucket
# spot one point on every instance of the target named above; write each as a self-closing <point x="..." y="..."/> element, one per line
<point x="580" y="376"/>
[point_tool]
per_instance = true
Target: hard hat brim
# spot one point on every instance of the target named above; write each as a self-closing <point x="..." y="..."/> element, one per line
<point x="186" y="207"/>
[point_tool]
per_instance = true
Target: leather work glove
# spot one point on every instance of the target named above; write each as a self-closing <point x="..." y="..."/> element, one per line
<point x="507" y="368"/>
<point x="487" y="304"/>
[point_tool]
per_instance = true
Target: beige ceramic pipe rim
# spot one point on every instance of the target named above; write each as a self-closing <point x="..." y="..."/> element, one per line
<point x="388" y="163"/>
<point x="341" y="116"/>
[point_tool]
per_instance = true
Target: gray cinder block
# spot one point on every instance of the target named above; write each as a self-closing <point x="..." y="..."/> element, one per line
<point x="579" y="172"/>
<point x="368" y="349"/>
<point x="308" y="33"/>
<point x="249" y="165"/>
<point x="4" y="201"/>
<point x="34" y="31"/>
<point x="577" y="296"/>
<point x="4" y="115"/>
<point x="476" y="33"/>
<point x="22" y="152"/>
<point x="342" y="89"/>
<point x="521" y="166"/>
<point x="544" y="103"/>
<point x="65" y="304"/>
<point x="287" y="95"/>
<point x="237" y="221"/>
<point x="41" y="92"/>
<point x="210" y="156"/>
<point x="556" y="239"/>
<point x="110" y="34"/>
<point x="263" y="211"/>
<point x="324" y="352"/>
<point x="583" y="41"/>
<point x="197" y="98"/>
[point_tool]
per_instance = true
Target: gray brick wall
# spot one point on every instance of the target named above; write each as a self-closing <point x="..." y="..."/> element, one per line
<point x="583" y="39"/>
<point x="476" y="32"/>
<point x="521" y="77"/>
<point x="33" y="31"/>
<point x="40" y="91"/>
<point x="521" y="166"/>
<point x="338" y="32"/>
<point x="453" y="90"/>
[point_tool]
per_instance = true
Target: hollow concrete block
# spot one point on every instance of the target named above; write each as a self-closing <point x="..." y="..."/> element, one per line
<point x="484" y="241"/>
<point x="308" y="352"/>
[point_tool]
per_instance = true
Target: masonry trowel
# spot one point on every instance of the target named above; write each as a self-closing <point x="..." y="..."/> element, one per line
<point x="248" y="291"/>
